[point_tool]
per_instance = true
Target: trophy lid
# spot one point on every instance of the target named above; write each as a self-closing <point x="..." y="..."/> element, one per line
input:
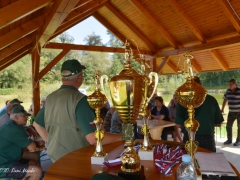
<point x="97" y="99"/>
<point x="190" y="93"/>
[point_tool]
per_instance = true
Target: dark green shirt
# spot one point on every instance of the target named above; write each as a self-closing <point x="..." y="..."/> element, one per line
<point x="84" y="115"/>
<point x="13" y="138"/>
<point x="207" y="114"/>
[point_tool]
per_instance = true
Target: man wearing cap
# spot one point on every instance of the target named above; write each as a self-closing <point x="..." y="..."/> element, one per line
<point x="14" y="161"/>
<point x="208" y="115"/>
<point x="232" y="96"/>
<point x="11" y="102"/>
<point x="64" y="121"/>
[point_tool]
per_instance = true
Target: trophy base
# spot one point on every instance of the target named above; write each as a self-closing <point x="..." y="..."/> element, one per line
<point x="130" y="176"/>
<point x="98" y="160"/>
<point x="145" y="155"/>
<point x="199" y="177"/>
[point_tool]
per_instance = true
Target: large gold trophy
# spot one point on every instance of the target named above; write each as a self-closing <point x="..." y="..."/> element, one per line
<point x="128" y="92"/>
<point x="191" y="95"/>
<point x="97" y="100"/>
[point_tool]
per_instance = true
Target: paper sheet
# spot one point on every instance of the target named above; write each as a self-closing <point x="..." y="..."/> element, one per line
<point x="214" y="163"/>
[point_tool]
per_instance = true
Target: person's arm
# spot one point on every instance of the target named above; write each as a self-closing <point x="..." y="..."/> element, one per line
<point x="40" y="125"/>
<point x="108" y="138"/>
<point x="160" y="117"/>
<point x="41" y="131"/>
<point x="223" y="104"/>
<point x="178" y="132"/>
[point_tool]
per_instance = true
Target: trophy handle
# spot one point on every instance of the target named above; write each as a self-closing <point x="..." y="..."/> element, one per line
<point x="102" y="78"/>
<point x="151" y="75"/>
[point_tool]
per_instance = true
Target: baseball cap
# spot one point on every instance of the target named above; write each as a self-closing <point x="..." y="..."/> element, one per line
<point x="232" y="80"/>
<point x="15" y="101"/>
<point x="72" y="65"/>
<point x="43" y="99"/>
<point x="19" y="109"/>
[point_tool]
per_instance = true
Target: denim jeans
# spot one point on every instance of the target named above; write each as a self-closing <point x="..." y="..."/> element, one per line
<point x="232" y="116"/>
<point x="204" y="141"/>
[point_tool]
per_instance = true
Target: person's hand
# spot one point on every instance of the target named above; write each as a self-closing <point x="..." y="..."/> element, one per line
<point x="40" y="143"/>
<point x="31" y="132"/>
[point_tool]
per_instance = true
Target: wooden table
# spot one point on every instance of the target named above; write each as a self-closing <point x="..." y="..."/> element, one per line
<point x="156" y="127"/>
<point x="77" y="165"/>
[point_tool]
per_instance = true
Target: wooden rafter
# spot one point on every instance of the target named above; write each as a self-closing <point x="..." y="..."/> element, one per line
<point x="10" y="62"/>
<point x="14" y="55"/>
<point x="59" y="11"/>
<point x="196" y="66"/>
<point x="187" y="20"/>
<point x="154" y="22"/>
<point x="19" y="9"/>
<point x="109" y="27"/>
<point x="35" y="79"/>
<point x="92" y="48"/>
<point x="130" y="25"/>
<point x="76" y="20"/>
<point x="154" y="64"/>
<point x="230" y="14"/>
<point x="171" y="65"/>
<point x="20" y="32"/>
<point x="81" y="3"/>
<point x="53" y="62"/>
<point x="219" y="59"/>
<point x="163" y="63"/>
<point x="86" y="7"/>
<point x="16" y="46"/>
<point x="202" y="47"/>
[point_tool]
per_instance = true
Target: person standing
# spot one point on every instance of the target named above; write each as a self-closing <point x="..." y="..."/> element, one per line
<point x="65" y="119"/>
<point x="232" y="96"/>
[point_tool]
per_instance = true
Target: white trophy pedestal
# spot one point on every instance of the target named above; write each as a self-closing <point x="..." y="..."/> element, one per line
<point x="98" y="160"/>
<point x="199" y="177"/>
<point x="145" y="155"/>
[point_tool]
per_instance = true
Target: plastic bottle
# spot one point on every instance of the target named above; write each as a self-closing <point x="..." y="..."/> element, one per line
<point x="186" y="170"/>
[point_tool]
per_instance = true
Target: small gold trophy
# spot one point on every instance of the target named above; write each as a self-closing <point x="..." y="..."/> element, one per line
<point x="146" y="152"/>
<point x="97" y="100"/>
<point x="191" y="95"/>
<point x="128" y="92"/>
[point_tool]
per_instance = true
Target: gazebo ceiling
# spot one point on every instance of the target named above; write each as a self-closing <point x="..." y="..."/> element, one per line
<point x="163" y="29"/>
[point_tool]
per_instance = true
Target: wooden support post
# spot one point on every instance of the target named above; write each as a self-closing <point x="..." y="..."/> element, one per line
<point x="35" y="79"/>
<point x="154" y="61"/>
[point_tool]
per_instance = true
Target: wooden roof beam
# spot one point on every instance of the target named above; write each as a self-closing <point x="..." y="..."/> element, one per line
<point x="14" y="55"/>
<point x="130" y="25"/>
<point x="53" y="63"/>
<point x="76" y="20"/>
<point x="16" y="46"/>
<point x="180" y="12"/>
<point x="59" y="11"/>
<point x="81" y="3"/>
<point x="19" y="9"/>
<point x="20" y="32"/>
<point x="163" y="63"/>
<point x="196" y="66"/>
<point x="229" y="13"/>
<point x="109" y="27"/>
<point x="10" y="62"/>
<point x="83" y="9"/>
<point x="219" y="59"/>
<point x="92" y="48"/>
<point x="171" y="65"/>
<point x="202" y="47"/>
<point x="154" y="22"/>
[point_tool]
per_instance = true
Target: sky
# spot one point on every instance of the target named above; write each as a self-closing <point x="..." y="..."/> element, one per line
<point x="87" y="27"/>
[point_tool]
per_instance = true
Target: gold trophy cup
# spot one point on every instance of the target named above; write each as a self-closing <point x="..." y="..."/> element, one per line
<point x="97" y="100"/>
<point x="145" y="113"/>
<point x="128" y="92"/>
<point x="191" y="95"/>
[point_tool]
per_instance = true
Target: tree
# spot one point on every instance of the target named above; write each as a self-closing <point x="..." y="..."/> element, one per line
<point x="93" y="40"/>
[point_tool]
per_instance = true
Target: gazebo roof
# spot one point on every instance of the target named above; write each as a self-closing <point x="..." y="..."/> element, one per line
<point x="163" y="29"/>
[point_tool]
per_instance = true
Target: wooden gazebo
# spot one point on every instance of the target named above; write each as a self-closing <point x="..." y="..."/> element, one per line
<point x="163" y="30"/>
